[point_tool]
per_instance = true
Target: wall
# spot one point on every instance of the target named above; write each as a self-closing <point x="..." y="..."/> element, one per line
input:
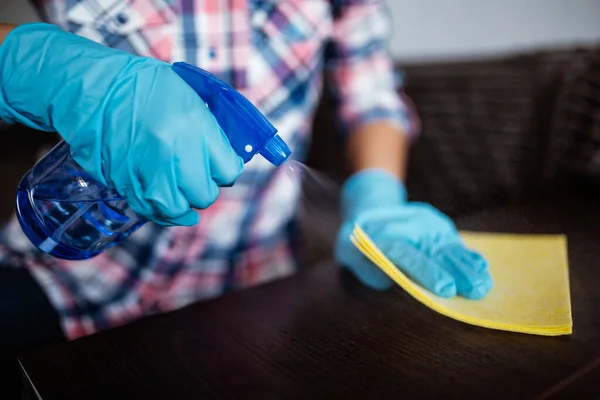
<point x="17" y="11"/>
<point x="452" y="29"/>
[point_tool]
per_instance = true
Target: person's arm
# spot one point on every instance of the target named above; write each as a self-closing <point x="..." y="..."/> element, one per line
<point x="376" y="120"/>
<point x="378" y="145"/>
<point x="418" y="239"/>
<point x="4" y="31"/>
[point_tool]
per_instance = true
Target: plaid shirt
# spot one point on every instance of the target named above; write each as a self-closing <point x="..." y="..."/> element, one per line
<point x="273" y="51"/>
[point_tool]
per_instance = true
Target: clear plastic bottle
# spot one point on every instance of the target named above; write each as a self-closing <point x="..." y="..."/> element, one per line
<point x="68" y="214"/>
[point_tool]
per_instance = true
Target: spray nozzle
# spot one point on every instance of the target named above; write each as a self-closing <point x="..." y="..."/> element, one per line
<point x="247" y="129"/>
<point x="276" y="151"/>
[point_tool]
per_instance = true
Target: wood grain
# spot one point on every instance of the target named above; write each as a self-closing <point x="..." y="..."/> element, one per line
<point x="320" y="334"/>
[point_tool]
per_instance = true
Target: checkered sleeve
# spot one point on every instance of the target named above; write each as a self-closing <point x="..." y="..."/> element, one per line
<point x="360" y="71"/>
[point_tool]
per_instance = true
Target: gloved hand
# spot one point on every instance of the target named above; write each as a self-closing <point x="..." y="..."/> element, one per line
<point x="131" y="122"/>
<point x="421" y="241"/>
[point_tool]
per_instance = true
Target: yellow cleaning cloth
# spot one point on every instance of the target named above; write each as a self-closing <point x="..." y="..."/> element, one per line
<point x="531" y="283"/>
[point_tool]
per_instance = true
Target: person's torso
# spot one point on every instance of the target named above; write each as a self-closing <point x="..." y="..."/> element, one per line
<point x="270" y="50"/>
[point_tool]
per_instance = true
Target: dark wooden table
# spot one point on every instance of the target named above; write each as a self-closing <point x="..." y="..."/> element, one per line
<point x="320" y="334"/>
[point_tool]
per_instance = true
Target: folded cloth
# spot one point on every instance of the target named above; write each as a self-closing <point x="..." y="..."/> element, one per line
<point x="531" y="283"/>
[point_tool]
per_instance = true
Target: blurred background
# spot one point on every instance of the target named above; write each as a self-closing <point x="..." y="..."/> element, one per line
<point x="434" y="30"/>
<point x="508" y="92"/>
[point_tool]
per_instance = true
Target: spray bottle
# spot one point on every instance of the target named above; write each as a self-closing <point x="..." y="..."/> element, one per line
<point x="68" y="214"/>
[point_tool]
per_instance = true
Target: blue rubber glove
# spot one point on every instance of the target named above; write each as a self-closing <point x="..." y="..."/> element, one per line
<point x="420" y="240"/>
<point x="131" y="122"/>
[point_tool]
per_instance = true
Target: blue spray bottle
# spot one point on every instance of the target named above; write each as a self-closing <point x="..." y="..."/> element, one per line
<point x="68" y="214"/>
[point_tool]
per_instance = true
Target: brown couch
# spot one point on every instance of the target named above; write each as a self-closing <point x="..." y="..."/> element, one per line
<point x="493" y="130"/>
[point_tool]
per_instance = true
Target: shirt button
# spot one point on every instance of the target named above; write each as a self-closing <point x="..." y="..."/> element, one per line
<point x="121" y="18"/>
<point x="212" y="52"/>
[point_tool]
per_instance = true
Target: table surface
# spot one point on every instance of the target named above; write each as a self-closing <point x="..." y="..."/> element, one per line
<point x="320" y="334"/>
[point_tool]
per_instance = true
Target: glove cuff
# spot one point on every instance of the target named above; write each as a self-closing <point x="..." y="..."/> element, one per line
<point x="370" y="189"/>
